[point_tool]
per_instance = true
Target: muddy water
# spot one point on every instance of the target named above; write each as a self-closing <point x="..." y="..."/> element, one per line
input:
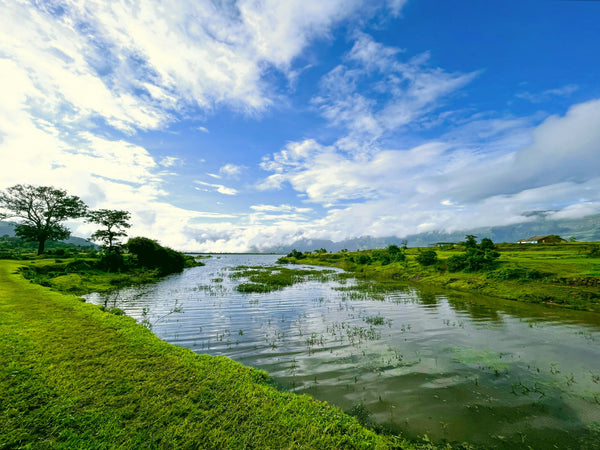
<point x="455" y="367"/>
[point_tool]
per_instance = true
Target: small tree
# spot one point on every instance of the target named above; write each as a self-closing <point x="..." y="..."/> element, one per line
<point x="470" y="241"/>
<point x="427" y="257"/>
<point x="114" y="223"/>
<point x="41" y="209"/>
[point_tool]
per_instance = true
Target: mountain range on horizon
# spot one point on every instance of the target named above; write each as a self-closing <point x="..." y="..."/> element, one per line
<point x="581" y="229"/>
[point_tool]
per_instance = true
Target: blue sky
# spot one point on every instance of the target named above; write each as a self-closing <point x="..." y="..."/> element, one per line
<point x="237" y="125"/>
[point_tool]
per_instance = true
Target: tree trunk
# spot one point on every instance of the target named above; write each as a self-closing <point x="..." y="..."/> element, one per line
<point x="41" y="245"/>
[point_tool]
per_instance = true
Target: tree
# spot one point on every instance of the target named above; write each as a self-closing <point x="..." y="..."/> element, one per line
<point x="114" y="223"/>
<point x="427" y="257"/>
<point x="470" y="241"/>
<point x="154" y="256"/>
<point x="41" y="210"/>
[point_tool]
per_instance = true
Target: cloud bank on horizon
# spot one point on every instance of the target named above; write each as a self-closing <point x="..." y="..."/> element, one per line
<point x="230" y="126"/>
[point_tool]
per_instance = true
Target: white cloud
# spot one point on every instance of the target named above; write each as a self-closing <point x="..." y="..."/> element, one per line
<point x="440" y="186"/>
<point x="170" y="161"/>
<point x="279" y="208"/>
<point x="231" y="170"/>
<point x="377" y="92"/>
<point x="548" y="94"/>
<point x="216" y="187"/>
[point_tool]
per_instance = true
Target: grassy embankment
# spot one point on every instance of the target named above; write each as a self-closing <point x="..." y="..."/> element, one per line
<point x="73" y="376"/>
<point x="559" y="274"/>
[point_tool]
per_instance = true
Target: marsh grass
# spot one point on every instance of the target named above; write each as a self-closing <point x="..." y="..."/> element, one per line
<point x="267" y="279"/>
<point x="74" y="376"/>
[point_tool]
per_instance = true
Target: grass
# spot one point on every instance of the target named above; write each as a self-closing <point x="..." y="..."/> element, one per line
<point x="74" y="376"/>
<point x="268" y="279"/>
<point x="558" y="274"/>
<point x="78" y="275"/>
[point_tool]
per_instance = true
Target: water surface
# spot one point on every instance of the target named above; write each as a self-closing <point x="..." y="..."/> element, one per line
<point x="455" y="367"/>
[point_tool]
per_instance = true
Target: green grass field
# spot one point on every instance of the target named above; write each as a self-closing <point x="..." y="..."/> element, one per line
<point x="565" y="274"/>
<point x="73" y="376"/>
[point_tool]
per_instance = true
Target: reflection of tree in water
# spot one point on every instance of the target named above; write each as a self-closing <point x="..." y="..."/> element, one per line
<point x="475" y="310"/>
<point x="427" y="298"/>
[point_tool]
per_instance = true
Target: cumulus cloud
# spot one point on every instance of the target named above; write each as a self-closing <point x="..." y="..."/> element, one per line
<point x="441" y="186"/>
<point x="77" y="74"/>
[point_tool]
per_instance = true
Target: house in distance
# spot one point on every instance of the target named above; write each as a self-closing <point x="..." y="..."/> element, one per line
<point x="545" y="239"/>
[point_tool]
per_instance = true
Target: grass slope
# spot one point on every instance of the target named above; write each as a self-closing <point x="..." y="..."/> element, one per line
<point x="72" y="376"/>
<point x="568" y="276"/>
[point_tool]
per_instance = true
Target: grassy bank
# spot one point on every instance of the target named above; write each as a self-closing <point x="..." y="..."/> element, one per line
<point x="566" y="274"/>
<point x="73" y="376"/>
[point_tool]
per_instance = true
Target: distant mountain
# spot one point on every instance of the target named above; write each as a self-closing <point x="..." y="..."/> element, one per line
<point x="8" y="228"/>
<point x="583" y="229"/>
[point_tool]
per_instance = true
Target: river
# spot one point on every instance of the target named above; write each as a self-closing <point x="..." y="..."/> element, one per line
<point x="453" y="366"/>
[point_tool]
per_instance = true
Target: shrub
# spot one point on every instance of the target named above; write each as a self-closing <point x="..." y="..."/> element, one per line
<point x="427" y="257"/>
<point x="362" y="259"/>
<point x="111" y="262"/>
<point x="594" y="252"/>
<point x="296" y="254"/>
<point x="151" y="255"/>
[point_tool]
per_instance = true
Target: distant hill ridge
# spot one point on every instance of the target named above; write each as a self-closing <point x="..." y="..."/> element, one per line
<point x="582" y="229"/>
<point x="8" y="228"/>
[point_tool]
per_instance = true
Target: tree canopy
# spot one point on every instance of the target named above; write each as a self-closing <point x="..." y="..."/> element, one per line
<point x="41" y="210"/>
<point x="114" y="223"/>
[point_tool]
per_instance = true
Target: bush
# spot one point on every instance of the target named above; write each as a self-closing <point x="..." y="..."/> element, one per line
<point x="594" y="252"/>
<point x="151" y="255"/>
<point x="111" y="262"/>
<point x="427" y="258"/>
<point x="296" y="254"/>
<point x="362" y="259"/>
<point x="476" y="257"/>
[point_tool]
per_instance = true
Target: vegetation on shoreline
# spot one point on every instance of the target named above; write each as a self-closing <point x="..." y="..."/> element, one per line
<point x="73" y="376"/>
<point x="563" y="274"/>
<point x="81" y="273"/>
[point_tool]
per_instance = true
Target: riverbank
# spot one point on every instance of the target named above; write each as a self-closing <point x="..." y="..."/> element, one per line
<point x="73" y="376"/>
<point x="565" y="275"/>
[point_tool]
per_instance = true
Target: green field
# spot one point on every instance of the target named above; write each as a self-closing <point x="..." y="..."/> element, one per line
<point x="565" y="274"/>
<point x="74" y="376"/>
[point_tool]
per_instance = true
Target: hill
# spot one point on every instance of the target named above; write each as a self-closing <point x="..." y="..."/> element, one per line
<point x="582" y="229"/>
<point x="8" y="229"/>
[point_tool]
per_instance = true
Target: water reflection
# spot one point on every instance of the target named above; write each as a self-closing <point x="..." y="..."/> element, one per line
<point x="453" y="366"/>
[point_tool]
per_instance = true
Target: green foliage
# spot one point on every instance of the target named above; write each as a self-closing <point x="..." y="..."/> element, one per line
<point x="470" y="241"/>
<point x="594" y="252"/>
<point x="114" y="223"/>
<point x="296" y="254"/>
<point x="517" y="273"/>
<point x="112" y="262"/>
<point x="41" y="210"/>
<point x="476" y="257"/>
<point x="427" y="257"/>
<point x="151" y="255"/>
<point x="362" y="259"/>
<point x="268" y="279"/>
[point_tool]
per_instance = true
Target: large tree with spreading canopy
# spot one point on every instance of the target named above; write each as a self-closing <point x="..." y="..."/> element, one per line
<point x="40" y="211"/>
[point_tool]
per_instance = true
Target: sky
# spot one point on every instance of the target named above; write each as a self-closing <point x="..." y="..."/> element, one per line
<point x="237" y="125"/>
